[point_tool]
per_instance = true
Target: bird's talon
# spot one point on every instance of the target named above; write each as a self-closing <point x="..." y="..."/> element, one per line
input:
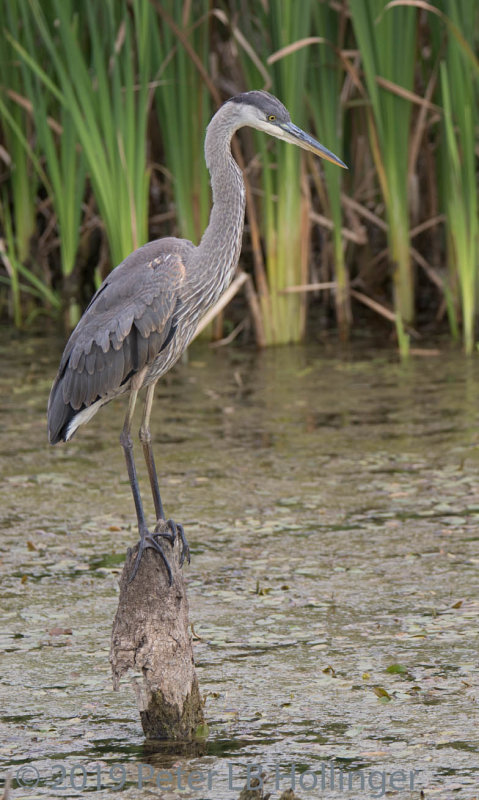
<point x="151" y="540"/>
<point x="148" y="541"/>
<point x="178" y="531"/>
<point x="170" y="537"/>
<point x="185" y="548"/>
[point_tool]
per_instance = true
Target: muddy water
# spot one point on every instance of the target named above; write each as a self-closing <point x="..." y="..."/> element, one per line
<point x="332" y="507"/>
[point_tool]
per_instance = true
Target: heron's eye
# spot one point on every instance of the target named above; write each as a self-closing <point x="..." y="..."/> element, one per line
<point x="272" y="117"/>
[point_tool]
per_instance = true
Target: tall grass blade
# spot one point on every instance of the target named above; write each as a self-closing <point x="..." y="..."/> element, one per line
<point x="64" y="165"/>
<point x="105" y="90"/>
<point x="14" y="121"/>
<point x="184" y="108"/>
<point x="387" y="42"/>
<point x="460" y="98"/>
<point x="284" y="212"/>
<point x="325" y="81"/>
<point x="8" y="255"/>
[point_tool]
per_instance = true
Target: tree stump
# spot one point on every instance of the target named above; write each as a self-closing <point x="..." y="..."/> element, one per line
<point x="151" y="634"/>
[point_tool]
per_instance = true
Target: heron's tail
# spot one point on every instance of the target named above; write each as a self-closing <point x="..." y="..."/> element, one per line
<point x="59" y="415"/>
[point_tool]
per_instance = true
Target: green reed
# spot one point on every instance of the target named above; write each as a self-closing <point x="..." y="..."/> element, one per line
<point x="387" y="42"/>
<point x="325" y="80"/>
<point x="184" y="107"/>
<point x="284" y="207"/>
<point x="104" y="87"/>
<point x="22" y="180"/>
<point x="460" y="98"/>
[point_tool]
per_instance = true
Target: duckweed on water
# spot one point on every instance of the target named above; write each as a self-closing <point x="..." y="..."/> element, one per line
<point x="332" y="508"/>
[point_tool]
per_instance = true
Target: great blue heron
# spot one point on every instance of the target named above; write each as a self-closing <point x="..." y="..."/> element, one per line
<point x="147" y="310"/>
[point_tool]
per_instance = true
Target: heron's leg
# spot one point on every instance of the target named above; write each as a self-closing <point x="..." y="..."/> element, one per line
<point x="127" y="444"/>
<point x="145" y="439"/>
<point x="146" y="539"/>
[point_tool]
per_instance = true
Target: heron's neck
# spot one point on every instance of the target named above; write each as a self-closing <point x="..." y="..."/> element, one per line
<point x="219" y="249"/>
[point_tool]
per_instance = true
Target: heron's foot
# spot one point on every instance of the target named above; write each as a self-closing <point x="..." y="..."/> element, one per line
<point x="152" y="540"/>
<point x="147" y="540"/>
<point x="176" y="531"/>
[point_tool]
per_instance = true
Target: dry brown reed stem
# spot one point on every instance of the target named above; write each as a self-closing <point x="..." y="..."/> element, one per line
<point x="358" y="237"/>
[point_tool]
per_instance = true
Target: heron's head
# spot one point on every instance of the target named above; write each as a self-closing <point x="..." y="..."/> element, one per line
<point x="265" y="112"/>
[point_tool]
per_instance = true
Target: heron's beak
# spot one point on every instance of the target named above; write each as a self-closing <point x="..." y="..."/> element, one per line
<point x="291" y="133"/>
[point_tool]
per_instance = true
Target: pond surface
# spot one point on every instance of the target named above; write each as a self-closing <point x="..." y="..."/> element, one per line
<point x="331" y="503"/>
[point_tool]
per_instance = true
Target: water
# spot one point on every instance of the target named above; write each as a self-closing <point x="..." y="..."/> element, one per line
<point x="331" y="502"/>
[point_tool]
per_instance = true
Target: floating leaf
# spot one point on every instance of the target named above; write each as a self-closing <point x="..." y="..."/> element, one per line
<point x="329" y="671"/>
<point x="396" y="669"/>
<point x="202" y="731"/>
<point x="383" y="695"/>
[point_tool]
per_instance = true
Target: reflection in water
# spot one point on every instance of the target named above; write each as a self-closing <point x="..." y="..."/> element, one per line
<point x="332" y="508"/>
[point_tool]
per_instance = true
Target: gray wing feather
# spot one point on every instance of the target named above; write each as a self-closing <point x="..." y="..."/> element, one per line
<point x="154" y="345"/>
<point x="147" y="322"/>
<point x="142" y="348"/>
<point x="81" y="363"/>
<point x="75" y="395"/>
<point x="116" y="367"/>
<point x="90" y="361"/>
<point x="124" y="327"/>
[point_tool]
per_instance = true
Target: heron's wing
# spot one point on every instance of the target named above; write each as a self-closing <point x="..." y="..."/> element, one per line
<point x="129" y="321"/>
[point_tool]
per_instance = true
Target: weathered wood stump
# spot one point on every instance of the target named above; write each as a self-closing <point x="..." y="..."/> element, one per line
<point x="151" y="634"/>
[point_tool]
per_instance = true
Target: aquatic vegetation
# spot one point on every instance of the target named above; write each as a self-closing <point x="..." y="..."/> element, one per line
<point x="102" y="123"/>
